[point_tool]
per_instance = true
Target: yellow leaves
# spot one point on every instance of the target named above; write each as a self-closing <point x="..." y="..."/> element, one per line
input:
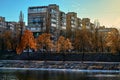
<point x="44" y="40"/>
<point x="112" y="41"/>
<point x="68" y="44"/>
<point x="63" y="44"/>
<point x="83" y="40"/>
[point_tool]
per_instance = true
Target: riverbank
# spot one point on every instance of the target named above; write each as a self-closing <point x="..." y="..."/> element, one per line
<point x="63" y="65"/>
<point x="52" y="56"/>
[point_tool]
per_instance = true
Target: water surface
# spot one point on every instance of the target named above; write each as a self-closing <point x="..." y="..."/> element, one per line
<point x="22" y="74"/>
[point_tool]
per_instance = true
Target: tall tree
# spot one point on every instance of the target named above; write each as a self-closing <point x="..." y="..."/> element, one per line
<point x="113" y="41"/>
<point x="83" y="40"/>
<point x="44" y="41"/>
<point x="27" y="41"/>
<point x="7" y="40"/>
<point x="63" y="44"/>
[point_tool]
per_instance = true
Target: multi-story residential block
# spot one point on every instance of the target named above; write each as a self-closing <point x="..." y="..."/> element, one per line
<point x="2" y="24"/>
<point x="43" y="19"/>
<point x="62" y="23"/>
<point x="71" y="19"/>
<point x="79" y="23"/>
<point x="12" y="25"/>
<point x="52" y="20"/>
<point x="86" y="23"/>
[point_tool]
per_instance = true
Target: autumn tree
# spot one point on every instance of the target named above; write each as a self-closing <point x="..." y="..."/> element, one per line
<point x="113" y="41"/>
<point x="15" y="40"/>
<point x="63" y="44"/>
<point x="27" y="41"/>
<point x="83" y="40"/>
<point x="67" y="45"/>
<point x="9" y="40"/>
<point x="6" y="38"/>
<point x="44" y="41"/>
<point x="1" y="40"/>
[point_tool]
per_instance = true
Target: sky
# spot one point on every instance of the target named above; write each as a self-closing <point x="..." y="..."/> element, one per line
<point x="106" y="11"/>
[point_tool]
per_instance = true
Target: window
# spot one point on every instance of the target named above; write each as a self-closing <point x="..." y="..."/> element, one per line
<point x="73" y="26"/>
<point x="42" y="10"/>
<point x="53" y="11"/>
<point x="37" y="10"/>
<point x="53" y="20"/>
<point x="54" y="25"/>
<point x="33" y="29"/>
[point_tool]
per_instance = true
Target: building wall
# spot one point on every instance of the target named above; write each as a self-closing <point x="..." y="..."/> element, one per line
<point x="2" y="22"/>
<point x="79" y="23"/>
<point x="86" y="23"/>
<point x="62" y="24"/>
<point x="71" y="20"/>
<point x="43" y="19"/>
<point x="54" y="18"/>
<point x="37" y="18"/>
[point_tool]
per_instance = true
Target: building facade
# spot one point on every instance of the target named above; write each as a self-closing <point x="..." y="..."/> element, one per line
<point x="13" y="26"/>
<point x="79" y="23"/>
<point x="62" y="23"/>
<point x="50" y="19"/>
<point x="86" y="23"/>
<point x="71" y="21"/>
<point x="2" y="24"/>
<point x="44" y="19"/>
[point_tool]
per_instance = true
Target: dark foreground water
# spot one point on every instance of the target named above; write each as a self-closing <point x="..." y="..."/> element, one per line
<point x="18" y="74"/>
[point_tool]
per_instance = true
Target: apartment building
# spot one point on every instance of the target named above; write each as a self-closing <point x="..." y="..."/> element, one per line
<point x="44" y="19"/>
<point x="71" y="21"/>
<point x="12" y="25"/>
<point x="79" y="23"/>
<point x="2" y="24"/>
<point x="62" y="23"/>
<point x="86" y="23"/>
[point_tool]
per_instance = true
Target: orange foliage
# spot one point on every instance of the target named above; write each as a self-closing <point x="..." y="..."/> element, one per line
<point x="44" y="40"/>
<point x="8" y="39"/>
<point x="63" y="44"/>
<point x="83" y="40"/>
<point x="112" y="41"/>
<point x="27" y="40"/>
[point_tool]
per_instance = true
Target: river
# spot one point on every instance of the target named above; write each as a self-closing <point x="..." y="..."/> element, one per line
<point x="45" y="74"/>
<point x="53" y="70"/>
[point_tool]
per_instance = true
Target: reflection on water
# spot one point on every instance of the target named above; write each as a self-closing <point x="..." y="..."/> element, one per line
<point x="54" y="75"/>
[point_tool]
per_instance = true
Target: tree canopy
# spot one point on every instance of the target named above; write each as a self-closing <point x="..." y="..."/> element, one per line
<point x="27" y="41"/>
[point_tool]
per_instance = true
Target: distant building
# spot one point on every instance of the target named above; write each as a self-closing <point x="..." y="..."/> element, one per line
<point x="43" y="19"/>
<point x="86" y="23"/>
<point x="50" y="19"/>
<point x="71" y="20"/>
<point x="79" y="23"/>
<point x="62" y="23"/>
<point x="2" y="24"/>
<point x="12" y="25"/>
